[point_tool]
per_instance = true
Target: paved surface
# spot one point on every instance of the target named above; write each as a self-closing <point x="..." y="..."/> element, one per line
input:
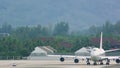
<point x="113" y="66"/>
<point x="47" y="64"/>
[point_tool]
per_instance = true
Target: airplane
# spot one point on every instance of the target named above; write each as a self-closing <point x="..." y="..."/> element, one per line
<point x="96" y="55"/>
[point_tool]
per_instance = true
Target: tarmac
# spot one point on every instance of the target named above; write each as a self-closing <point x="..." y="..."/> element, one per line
<point x="50" y="64"/>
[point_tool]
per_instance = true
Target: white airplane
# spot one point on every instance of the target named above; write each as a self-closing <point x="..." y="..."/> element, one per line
<point x="96" y="55"/>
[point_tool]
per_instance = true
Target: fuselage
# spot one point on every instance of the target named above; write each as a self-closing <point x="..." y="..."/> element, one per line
<point x="96" y="54"/>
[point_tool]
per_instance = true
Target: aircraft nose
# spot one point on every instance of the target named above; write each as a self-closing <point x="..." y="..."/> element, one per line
<point x="93" y="54"/>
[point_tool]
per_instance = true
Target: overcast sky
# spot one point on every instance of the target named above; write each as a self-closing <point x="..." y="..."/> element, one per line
<point x="80" y="14"/>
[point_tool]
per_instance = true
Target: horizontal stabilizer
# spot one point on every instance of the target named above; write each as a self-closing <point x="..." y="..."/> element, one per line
<point x="112" y="50"/>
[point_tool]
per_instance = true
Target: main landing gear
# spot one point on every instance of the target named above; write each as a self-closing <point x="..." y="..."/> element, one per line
<point x="88" y="62"/>
<point x="108" y="62"/>
<point x="101" y="62"/>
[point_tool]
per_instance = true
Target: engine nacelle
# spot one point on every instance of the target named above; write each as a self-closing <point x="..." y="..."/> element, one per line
<point x="76" y="60"/>
<point x="117" y="60"/>
<point x="62" y="59"/>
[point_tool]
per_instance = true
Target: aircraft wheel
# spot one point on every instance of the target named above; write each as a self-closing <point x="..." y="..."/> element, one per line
<point x="107" y="63"/>
<point x="101" y="63"/>
<point x="88" y="63"/>
<point x="94" y="63"/>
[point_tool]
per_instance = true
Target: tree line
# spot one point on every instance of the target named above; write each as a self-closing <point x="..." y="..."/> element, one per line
<point x="22" y="40"/>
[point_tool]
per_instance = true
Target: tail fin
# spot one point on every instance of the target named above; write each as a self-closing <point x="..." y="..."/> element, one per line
<point x="101" y="41"/>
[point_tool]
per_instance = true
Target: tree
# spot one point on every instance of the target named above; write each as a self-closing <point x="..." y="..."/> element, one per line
<point x="93" y="29"/>
<point x="61" y="28"/>
<point x="117" y="27"/>
<point x="6" y="28"/>
<point x="108" y="27"/>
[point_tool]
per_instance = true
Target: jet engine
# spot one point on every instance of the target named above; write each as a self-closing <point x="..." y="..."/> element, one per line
<point x="62" y="59"/>
<point x="117" y="60"/>
<point x="76" y="60"/>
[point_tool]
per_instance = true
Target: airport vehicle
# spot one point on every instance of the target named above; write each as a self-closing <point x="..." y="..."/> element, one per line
<point x="96" y="55"/>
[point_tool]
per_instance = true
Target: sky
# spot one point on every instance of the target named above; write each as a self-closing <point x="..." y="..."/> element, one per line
<point x="80" y="14"/>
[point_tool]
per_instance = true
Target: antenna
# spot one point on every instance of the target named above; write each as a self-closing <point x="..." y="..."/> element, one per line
<point x="101" y="41"/>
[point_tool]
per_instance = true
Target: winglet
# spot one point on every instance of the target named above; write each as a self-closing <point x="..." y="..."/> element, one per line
<point x="101" y="41"/>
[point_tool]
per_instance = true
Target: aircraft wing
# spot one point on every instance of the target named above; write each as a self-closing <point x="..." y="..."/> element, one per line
<point x="110" y="57"/>
<point x="112" y="50"/>
<point x="71" y="57"/>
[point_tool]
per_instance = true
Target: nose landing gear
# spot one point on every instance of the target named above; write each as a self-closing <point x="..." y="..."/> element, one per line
<point x="95" y="63"/>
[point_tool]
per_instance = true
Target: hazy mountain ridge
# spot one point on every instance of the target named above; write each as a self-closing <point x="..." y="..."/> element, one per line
<point x="78" y="13"/>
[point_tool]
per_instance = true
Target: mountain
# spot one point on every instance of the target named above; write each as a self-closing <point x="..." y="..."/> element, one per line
<point x="80" y="14"/>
